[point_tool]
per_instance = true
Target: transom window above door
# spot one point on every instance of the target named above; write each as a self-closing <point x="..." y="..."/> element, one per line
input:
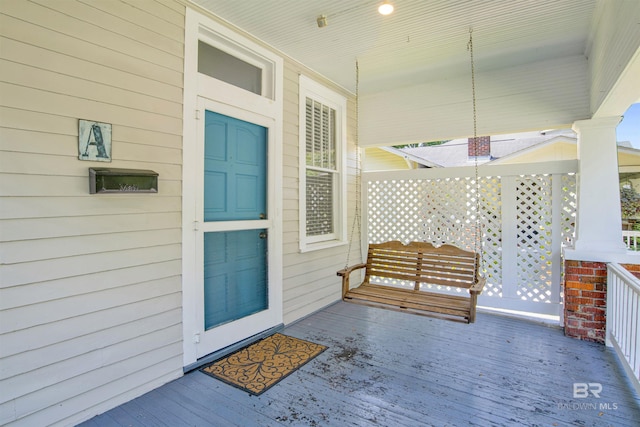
<point x="222" y="66"/>
<point x="223" y="59"/>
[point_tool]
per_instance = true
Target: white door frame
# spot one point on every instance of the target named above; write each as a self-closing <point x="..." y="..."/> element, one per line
<point x="229" y="100"/>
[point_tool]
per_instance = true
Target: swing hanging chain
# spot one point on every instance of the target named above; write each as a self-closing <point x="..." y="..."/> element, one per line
<point x="478" y="228"/>
<point x="356" y="218"/>
<point x="473" y="88"/>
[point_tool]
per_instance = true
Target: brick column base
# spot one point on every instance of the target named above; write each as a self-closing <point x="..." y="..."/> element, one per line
<point x="585" y="300"/>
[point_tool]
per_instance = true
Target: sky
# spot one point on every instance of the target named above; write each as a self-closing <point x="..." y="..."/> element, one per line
<point x="629" y="128"/>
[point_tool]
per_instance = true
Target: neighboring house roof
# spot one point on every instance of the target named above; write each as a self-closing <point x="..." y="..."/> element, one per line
<point x="404" y="153"/>
<point x="384" y="159"/>
<point x="628" y="157"/>
<point x="455" y="152"/>
<point x="554" y="148"/>
<point x="527" y="147"/>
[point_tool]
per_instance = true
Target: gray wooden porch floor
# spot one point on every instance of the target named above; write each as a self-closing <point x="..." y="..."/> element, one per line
<point x="384" y="368"/>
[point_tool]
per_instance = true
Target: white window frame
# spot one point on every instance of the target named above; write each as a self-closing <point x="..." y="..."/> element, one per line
<point x="228" y="42"/>
<point x="314" y="90"/>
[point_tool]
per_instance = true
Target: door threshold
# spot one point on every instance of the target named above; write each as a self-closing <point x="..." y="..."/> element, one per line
<point x="231" y="348"/>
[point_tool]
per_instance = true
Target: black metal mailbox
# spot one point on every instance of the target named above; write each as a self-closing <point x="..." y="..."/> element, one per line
<point x="112" y="180"/>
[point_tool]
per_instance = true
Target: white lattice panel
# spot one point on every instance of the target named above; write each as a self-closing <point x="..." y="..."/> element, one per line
<point x="491" y="214"/>
<point x="444" y="210"/>
<point x="569" y="206"/>
<point x="441" y="211"/>
<point x="534" y="238"/>
<point x="436" y="211"/>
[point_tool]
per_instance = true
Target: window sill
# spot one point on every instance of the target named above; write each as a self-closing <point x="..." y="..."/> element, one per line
<point x="321" y="245"/>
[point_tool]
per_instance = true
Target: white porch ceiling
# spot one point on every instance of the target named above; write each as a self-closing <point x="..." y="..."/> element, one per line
<point x="422" y="41"/>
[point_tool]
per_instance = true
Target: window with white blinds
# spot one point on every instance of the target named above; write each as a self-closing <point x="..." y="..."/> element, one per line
<point x="322" y="162"/>
<point x="321" y="167"/>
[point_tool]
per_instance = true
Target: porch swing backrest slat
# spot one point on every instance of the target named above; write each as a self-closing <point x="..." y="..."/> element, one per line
<point x="417" y="265"/>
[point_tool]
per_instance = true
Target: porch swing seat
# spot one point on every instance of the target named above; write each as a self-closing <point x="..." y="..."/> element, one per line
<point x="391" y="265"/>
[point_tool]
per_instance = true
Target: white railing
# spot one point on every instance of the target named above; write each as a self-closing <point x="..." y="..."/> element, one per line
<point x="623" y="316"/>
<point x="630" y="238"/>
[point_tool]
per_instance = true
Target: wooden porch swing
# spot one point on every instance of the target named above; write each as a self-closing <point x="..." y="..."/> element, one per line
<point x="421" y="263"/>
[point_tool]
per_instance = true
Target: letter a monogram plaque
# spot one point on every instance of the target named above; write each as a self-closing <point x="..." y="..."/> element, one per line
<point x="94" y="141"/>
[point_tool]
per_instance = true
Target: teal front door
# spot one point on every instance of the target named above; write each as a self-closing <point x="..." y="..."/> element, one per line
<point x="234" y="189"/>
<point x="234" y="231"/>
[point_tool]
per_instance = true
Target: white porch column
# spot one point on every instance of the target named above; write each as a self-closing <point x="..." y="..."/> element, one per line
<point x="598" y="220"/>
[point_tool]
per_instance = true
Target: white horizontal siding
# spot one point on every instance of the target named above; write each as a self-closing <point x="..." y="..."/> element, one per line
<point x="21" y="29"/>
<point x="30" y="99"/>
<point x="50" y="374"/>
<point x="542" y="95"/>
<point x="54" y="82"/>
<point x="72" y="19"/>
<point x="54" y="248"/>
<point x="13" y="162"/>
<point x="22" y="125"/>
<point x="66" y="330"/>
<point x="56" y="268"/>
<point x="25" y="361"/>
<point x="90" y="297"/>
<point x="34" y="228"/>
<point x="83" y="391"/>
<point x="46" y="207"/>
<point x="22" y="53"/>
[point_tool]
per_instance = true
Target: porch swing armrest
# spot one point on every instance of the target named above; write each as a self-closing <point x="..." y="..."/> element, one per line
<point x="345" y="272"/>
<point x="478" y="286"/>
<point x="348" y="270"/>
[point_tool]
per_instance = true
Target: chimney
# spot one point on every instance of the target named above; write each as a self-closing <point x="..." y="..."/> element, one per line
<point x="479" y="147"/>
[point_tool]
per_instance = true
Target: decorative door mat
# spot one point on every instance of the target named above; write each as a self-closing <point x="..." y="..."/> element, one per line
<point x="263" y="364"/>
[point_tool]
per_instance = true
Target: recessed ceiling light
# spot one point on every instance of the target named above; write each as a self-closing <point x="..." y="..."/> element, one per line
<point x="385" y="8"/>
